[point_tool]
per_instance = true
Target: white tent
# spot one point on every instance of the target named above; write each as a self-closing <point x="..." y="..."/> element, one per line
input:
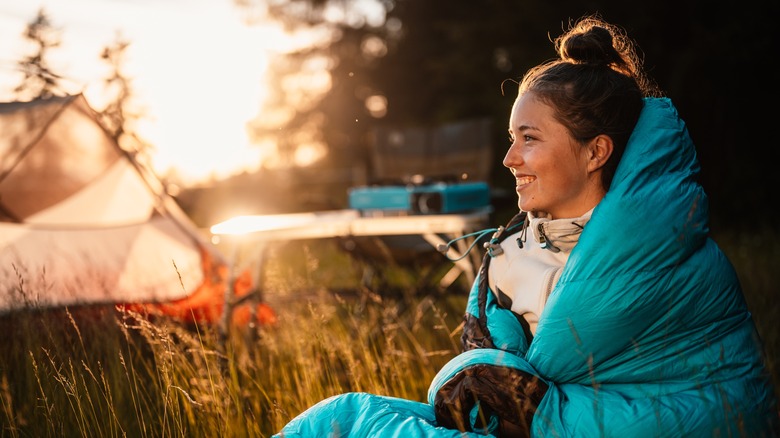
<point x="83" y="222"/>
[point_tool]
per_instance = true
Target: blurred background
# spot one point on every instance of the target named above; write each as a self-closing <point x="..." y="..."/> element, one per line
<point x="272" y="106"/>
<point x="282" y="106"/>
<point x="257" y="106"/>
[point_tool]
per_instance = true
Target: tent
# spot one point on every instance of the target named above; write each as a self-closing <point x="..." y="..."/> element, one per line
<point x="83" y="222"/>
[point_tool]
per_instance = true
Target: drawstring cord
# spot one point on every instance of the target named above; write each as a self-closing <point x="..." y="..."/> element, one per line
<point x="493" y="247"/>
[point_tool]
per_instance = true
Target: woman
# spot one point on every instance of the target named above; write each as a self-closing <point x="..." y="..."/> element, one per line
<point x="602" y="308"/>
<point x="569" y="126"/>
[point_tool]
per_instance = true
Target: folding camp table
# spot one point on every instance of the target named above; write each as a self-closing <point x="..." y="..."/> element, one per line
<point x="436" y="229"/>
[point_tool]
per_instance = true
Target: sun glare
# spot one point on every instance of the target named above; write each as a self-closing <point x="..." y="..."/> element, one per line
<point x="208" y="85"/>
<point x="196" y="67"/>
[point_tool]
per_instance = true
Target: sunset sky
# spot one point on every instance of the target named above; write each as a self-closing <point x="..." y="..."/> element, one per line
<point x="196" y="66"/>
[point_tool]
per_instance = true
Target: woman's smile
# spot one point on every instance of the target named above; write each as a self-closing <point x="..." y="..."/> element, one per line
<point x="523" y="180"/>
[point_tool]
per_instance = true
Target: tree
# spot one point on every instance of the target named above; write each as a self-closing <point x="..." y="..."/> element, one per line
<point x="121" y="114"/>
<point x="318" y="93"/>
<point x="446" y="60"/>
<point x="430" y="62"/>
<point x="39" y="80"/>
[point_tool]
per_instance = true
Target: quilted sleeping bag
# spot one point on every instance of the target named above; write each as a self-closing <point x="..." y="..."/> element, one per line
<point x="646" y="333"/>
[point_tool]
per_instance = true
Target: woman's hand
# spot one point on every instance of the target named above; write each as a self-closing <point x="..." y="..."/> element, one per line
<point x="490" y="399"/>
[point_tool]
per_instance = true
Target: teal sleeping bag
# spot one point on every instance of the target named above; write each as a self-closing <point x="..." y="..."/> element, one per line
<point x="646" y="334"/>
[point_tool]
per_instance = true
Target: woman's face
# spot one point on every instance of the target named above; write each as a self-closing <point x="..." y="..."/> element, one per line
<point x="551" y="170"/>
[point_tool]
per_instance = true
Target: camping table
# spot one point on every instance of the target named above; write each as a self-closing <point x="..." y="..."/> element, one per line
<point x="436" y="229"/>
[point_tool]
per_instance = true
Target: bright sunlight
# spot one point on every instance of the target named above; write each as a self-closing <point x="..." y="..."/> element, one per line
<point x="196" y="67"/>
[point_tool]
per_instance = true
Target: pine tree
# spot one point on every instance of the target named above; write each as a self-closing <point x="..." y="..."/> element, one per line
<point x="39" y="79"/>
<point x="121" y="114"/>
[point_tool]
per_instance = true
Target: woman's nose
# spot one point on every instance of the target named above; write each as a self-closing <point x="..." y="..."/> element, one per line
<point x="512" y="157"/>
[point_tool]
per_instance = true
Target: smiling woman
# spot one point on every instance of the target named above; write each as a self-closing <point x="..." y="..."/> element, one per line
<point x="196" y="68"/>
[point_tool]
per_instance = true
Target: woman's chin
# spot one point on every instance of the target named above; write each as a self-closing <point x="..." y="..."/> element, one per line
<point x="525" y="206"/>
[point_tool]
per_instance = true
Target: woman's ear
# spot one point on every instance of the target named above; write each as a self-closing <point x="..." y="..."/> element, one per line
<point x="599" y="149"/>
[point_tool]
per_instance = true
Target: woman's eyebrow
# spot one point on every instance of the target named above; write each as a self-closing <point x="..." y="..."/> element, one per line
<point x="527" y="128"/>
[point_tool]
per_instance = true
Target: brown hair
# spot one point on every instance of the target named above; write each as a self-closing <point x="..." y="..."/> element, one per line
<point x="596" y="85"/>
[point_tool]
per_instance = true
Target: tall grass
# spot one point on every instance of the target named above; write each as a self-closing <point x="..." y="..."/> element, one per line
<point x="755" y="254"/>
<point x="98" y="371"/>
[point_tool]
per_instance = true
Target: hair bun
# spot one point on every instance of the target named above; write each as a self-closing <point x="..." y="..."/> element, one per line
<point x="593" y="45"/>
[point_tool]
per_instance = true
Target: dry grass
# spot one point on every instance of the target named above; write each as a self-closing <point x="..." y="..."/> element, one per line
<point x="100" y="372"/>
